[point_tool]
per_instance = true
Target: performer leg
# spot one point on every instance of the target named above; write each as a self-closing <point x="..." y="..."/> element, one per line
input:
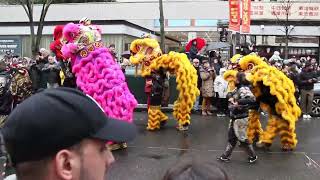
<point x="232" y="142"/>
<point x="254" y="130"/>
<point x="163" y="119"/>
<point x="270" y="132"/>
<point x="288" y="136"/>
<point x="154" y="118"/>
<point x="183" y="122"/>
<point x="252" y="156"/>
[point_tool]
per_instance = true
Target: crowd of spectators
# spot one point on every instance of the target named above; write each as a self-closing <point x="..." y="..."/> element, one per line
<point x="304" y="72"/>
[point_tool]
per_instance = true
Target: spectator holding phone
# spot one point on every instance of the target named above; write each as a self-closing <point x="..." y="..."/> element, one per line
<point x="207" y="75"/>
<point x="306" y="80"/>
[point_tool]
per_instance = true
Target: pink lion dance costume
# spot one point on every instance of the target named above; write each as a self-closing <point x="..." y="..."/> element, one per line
<point x="97" y="73"/>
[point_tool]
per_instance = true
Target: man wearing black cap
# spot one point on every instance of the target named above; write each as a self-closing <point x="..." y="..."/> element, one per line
<point x="61" y="134"/>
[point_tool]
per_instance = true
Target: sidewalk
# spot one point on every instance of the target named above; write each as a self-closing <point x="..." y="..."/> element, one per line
<point x="143" y="107"/>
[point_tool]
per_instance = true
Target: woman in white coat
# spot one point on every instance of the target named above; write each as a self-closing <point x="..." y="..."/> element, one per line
<point x="221" y="89"/>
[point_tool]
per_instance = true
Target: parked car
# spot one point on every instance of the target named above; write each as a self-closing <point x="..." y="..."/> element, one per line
<point x="316" y="101"/>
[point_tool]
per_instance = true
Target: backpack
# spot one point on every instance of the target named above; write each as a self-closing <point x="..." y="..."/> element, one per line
<point x="5" y="94"/>
<point x="5" y="81"/>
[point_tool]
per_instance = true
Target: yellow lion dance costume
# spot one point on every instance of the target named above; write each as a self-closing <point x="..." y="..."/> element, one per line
<point x="275" y="92"/>
<point x="146" y="52"/>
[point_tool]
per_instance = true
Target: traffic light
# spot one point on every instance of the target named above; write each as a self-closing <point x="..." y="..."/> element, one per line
<point x="224" y="35"/>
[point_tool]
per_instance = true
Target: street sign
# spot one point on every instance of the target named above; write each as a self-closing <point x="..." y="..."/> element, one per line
<point x="11" y="44"/>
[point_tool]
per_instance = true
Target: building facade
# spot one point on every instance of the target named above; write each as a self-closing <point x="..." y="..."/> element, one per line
<point x="125" y="20"/>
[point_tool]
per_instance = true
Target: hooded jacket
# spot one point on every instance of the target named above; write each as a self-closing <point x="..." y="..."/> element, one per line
<point x="220" y="85"/>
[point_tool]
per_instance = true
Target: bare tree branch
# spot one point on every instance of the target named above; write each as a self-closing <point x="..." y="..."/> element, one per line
<point x="24" y="7"/>
<point x="281" y="30"/>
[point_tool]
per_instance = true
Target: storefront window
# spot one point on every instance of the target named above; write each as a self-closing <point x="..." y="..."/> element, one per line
<point x="206" y="22"/>
<point x="179" y="22"/>
<point x="156" y="23"/>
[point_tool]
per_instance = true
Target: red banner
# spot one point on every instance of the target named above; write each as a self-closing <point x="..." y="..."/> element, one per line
<point x="246" y="19"/>
<point x="234" y="15"/>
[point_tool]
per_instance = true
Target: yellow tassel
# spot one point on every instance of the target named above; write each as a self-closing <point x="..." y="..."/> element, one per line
<point x="62" y="77"/>
<point x="154" y="118"/>
<point x="163" y="117"/>
<point x="254" y="126"/>
<point x="271" y="131"/>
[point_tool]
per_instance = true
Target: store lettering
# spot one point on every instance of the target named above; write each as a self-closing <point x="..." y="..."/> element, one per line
<point x="8" y="46"/>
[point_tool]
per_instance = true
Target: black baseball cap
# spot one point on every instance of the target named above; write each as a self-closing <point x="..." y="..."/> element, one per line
<point x="55" y="119"/>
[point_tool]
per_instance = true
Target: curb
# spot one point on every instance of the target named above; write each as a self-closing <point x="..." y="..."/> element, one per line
<point x="143" y="108"/>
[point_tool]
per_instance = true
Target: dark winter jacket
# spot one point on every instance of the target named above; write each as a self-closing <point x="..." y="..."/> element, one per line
<point x="53" y="71"/>
<point x="199" y="78"/>
<point x="158" y="79"/>
<point x="35" y="77"/>
<point x="193" y="53"/>
<point x="305" y="76"/>
<point x="294" y="77"/>
<point x="43" y="76"/>
<point x="216" y="67"/>
<point x="157" y="83"/>
<point x="245" y="100"/>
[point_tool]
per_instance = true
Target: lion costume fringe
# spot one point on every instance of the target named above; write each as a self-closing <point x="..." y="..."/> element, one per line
<point x="275" y="92"/>
<point x="147" y="53"/>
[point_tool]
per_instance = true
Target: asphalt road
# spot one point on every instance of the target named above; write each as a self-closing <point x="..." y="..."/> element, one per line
<point x="152" y="153"/>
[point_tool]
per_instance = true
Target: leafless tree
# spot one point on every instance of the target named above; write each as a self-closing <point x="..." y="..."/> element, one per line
<point x="286" y="23"/>
<point x="28" y="6"/>
<point x="162" y="33"/>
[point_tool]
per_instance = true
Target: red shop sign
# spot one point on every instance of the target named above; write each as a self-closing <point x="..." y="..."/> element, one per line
<point x="246" y="19"/>
<point x="234" y="15"/>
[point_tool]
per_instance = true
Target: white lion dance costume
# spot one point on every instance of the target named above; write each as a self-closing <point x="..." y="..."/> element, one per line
<point x="275" y="92"/>
<point x="147" y="53"/>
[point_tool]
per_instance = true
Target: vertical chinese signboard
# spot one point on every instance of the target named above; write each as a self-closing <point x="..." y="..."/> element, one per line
<point x="234" y="15"/>
<point x="246" y="10"/>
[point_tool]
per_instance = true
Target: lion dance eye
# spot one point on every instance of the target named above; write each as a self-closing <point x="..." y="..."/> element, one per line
<point x="83" y="53"/>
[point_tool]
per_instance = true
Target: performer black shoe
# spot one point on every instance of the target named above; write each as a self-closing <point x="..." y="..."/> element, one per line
<point x="223" y="158"/>
<point x="163" y="123"/>
<point x="252" y="159"/>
